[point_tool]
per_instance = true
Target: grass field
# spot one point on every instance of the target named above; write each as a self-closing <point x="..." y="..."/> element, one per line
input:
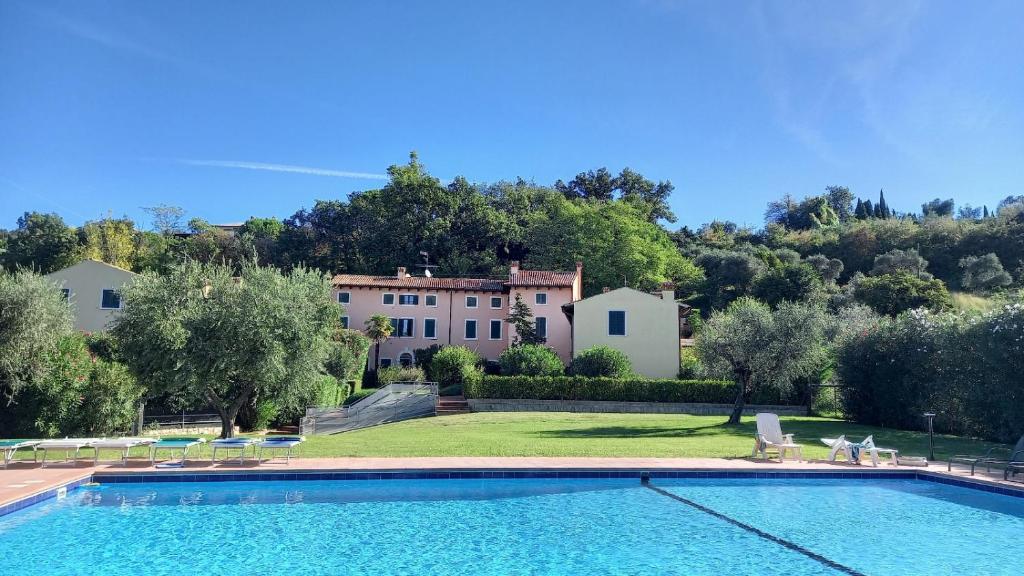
<point x="565" y="434"/>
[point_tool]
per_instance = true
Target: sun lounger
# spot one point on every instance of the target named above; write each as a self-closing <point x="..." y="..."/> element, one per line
<point x="770" y="437"/>
<point x="239" y="444"/>
<point x="172" y="444"/>
<point x="286" y="443"/>
<point x="122" y="444"/>
<point x="68" y="445"/>
<point x="10" y="447"/>
<point x="995" y="456"/>
<point x="852" y="450"/>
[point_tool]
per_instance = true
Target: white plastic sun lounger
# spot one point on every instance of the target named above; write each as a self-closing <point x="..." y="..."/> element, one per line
<point x="172" y="444"/>
<point x="10" y="447"/>
<point x="122" y="444"/>
<point x="852" y="450"/>
<point x="770" y="437"/>
<point x="228" y="444"/>
<point x="286" y="443"/>
<point x="68" y="445"/>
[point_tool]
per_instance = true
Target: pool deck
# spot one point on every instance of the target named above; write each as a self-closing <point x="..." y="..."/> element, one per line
<point x="26" y="479"/>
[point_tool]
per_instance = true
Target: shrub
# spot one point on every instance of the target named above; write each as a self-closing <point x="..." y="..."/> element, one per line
<point x="530" y="360"/>
<point x="454" y="365"/>
<point x="894" y="293"/>
<point x="400" y="374"/>
<point x="424" y="356"/>
<point x="109" y="401"/>
<point x="601" y="361"/>
<point x="689" y="364"/>
<point x="266" y="412"/>
<point x="347" y="357"/>
<point x="606" y="389"/>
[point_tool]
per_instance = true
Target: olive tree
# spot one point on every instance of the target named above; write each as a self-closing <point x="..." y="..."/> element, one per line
<point x="223" y="340"/>
<point x="33" y="320"/>
<point x="758" y="347"/>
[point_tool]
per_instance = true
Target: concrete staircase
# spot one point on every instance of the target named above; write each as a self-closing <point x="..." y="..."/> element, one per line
<point x="447" y="405"/>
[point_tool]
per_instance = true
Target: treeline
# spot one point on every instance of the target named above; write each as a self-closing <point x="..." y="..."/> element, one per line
<point x="832" y="249"/>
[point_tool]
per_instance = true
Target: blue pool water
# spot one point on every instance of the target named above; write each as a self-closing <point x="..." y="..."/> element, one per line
<point x="521" y="526"/>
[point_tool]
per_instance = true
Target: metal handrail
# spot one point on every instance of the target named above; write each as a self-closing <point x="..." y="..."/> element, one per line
<point x="394" y="402"/>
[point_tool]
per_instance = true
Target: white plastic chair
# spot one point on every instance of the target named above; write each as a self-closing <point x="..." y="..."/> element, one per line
<point x="770" y="436"/>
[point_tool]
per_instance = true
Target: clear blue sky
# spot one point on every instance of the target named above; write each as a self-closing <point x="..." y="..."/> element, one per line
<point x="234" y="109"/>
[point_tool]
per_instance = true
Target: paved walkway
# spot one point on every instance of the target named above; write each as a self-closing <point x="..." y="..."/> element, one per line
<point x="27" y="478"/>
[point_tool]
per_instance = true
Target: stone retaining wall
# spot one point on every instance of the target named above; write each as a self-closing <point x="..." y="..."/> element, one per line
<point x="521" y="405"/>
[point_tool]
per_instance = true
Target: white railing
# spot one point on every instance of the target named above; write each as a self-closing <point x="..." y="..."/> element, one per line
<point x="392" y="403"/>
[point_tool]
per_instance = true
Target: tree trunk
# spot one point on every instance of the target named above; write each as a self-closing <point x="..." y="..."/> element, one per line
<point x="741" y="387"/>
<point x="139" y="424"/>
<point x="376" y="365"/>
<point x="230" y="412"/>
<point x="227" y="424"/>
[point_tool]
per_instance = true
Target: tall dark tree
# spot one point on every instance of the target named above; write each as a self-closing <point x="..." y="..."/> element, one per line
<point x="520" y="317"/>
<point x="938" y="208"/>
<point x="860" y="212"/>
<point x="42" y="242"/>
<point x="882" y="209"/>
<point x="647" y="196"/>
<point x="590" y="185"/>
<point x="869" y="209"/>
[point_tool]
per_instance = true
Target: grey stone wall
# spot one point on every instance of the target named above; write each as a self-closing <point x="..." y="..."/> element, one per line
<point x="503" y="405"/>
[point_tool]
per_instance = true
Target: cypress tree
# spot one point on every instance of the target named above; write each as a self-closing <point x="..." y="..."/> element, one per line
<point x="882" y="208"/>
<point x="869" y="209"/>
<point x="858" y="212"/>
<point x="984" y="211"/>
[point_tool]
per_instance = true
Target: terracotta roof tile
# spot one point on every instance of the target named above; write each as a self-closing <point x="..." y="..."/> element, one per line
<point x="523" y="278"/>
<point x="482" y="284"/>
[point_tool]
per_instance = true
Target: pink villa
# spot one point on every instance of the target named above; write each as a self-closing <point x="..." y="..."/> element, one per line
<point x="460" y="311"/>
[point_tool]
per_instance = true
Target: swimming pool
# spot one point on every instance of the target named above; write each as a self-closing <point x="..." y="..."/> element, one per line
<point x="518" y="526"/>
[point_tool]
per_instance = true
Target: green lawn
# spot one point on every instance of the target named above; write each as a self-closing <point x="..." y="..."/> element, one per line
<point x="565" y="434"/>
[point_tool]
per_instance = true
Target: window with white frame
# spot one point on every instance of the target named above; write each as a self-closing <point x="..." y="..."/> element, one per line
<point x="405" y="359"/>
<point x="496" y="329"/>
<point x="394" y="326"/>
<point x="471" y="302"/>
<point x="65" y="294"/>
<point x="344" y="321"/>
<point x="388" y="299"/>
<point x="540" y="325"/>
<point x="430" y="300"/>
<point x="540" y="298"/>
<point x="616" y="322"/>
<point x="406" y="328"/>
<point x="385" y="362"/>
<point x="430" y="328"/>
<point x="495" y="302"/>
<point x="408" y="299"/>
<point x="344" y="297"/>
<point x="470" y="330"/>
<point x="110" y="299"/>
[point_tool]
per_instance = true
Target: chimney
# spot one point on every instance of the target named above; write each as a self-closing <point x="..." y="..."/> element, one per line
<point x="579" y="269"/>
<point x="668" y="291"/>
<point x="401" y="272"/>
<point x="605" y="290"/>
<point x="513" y="268"/>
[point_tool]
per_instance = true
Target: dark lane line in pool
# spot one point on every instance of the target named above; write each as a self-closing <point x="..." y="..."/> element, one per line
<point x="761" y="533"/>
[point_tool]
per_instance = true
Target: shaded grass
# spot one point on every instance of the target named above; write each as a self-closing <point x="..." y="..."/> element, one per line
<point x="570" y="434"/>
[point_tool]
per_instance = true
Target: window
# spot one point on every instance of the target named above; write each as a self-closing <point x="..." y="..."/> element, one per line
<point x="430" y="300"/>
<point x="541" y="326"/>
<point x="495" y="329"/>
<point x="430" y="328"/>
<point x="495" y="302"/>
<point x="385" y="363"/>
<point x="540" y="298"/>
<point x="110" y="299"/>
<point x="394" y="326"/>
<point x="470" y="329"/>
<point x="405" y="360"/>
<point x="409" y="300"/>
<point x="616" y="322"/>
<point x="471" y="302"/>
<point x="406" y="328"/>
<point x="344" y="297"/>
<point x="65" y="293"/>
<point x="388" y="299"/>
<point x="344" y="321"/>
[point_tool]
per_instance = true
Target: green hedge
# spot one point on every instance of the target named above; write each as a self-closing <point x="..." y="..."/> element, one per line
<point x="610" y="389"/>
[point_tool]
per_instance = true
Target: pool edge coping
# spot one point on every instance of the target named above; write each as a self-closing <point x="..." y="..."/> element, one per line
<point x="115" y="477"/>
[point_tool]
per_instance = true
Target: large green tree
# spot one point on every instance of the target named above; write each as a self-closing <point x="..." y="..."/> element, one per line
<point x="33" y="320"/>
<point x="222" y="339"/>
<point x="114" y="241"/>
<point x="42" y="242"/>
<point x="757" y="347"/>
<point x="901" y="291"/>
